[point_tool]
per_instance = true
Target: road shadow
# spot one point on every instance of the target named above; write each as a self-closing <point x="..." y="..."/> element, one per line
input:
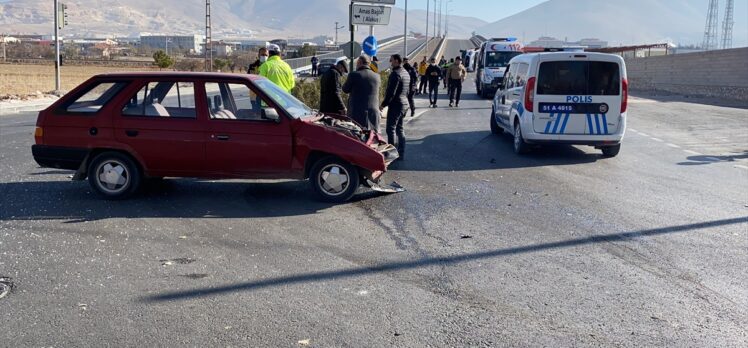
<point x="705" y="159"/>
<point x="74" y="202"/>
<point x="482" y="150"/>
<point x="432" y="261"/>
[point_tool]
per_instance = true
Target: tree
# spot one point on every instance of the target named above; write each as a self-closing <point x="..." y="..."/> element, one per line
<point x="307" y="51"/>
<point x="162" y="60"/>
<point x="220" y="64"/>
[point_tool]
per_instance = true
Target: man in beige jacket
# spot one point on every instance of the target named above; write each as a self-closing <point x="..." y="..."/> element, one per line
<point x="456" y="75"/>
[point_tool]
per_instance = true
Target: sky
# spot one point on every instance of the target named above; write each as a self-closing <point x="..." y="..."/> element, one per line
<point x="487" y="10"/>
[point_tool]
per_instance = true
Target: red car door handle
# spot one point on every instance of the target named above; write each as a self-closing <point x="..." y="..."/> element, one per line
<point x="222" y="137"/>
<point x="131" y="133"/>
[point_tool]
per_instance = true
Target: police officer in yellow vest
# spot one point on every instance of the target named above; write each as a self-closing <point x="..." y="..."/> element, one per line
<point x="278" y="71"/>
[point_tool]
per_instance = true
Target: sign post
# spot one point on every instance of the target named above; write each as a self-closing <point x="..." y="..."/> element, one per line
<point x="370" y="15"/>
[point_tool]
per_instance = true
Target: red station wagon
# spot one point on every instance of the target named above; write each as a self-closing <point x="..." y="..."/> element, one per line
<point x="120" y="129"/>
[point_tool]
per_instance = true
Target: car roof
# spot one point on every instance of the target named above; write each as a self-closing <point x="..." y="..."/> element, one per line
<point x="177" y="74"/>
<point x="550" y="56"/>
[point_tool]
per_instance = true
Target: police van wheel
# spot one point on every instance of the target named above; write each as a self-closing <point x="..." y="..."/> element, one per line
<point x="520" y="146"/>
<point x="495" y="129"/>
<point x="611" y="151"/>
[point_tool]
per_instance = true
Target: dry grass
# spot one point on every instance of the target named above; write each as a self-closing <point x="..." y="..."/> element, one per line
<point x="28" y="79"/>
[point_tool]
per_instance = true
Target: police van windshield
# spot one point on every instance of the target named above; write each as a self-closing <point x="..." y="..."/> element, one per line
<point x="579" y="78"/>
<point x="499" y="59"/>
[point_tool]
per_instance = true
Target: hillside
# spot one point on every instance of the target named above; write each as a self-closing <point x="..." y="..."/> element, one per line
<point x="618" y="22"/>
<point x="263" y="18"/>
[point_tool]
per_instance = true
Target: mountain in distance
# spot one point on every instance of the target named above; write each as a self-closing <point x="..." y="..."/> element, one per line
<point x="263" y="19"/>
<point x="620" y="22"/>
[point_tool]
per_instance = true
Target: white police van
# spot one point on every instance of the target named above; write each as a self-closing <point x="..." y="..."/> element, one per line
<point x="570" y="97"/>
<point x="493" y="57"/>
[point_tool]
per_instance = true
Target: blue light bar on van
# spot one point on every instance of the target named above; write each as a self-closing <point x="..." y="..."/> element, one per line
<point x="507" y="39"/>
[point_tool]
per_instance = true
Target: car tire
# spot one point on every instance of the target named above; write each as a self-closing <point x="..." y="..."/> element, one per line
<point x="520" y="146"/>
<point x="495" y="129"/>
<point x="334" y="180"/>
<point x="611" y="151"/>
<point x="114" y="175"/>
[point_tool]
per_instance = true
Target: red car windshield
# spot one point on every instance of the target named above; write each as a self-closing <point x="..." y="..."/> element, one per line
<point x="293" y="106"/>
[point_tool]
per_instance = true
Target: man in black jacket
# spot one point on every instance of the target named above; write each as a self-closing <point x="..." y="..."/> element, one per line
<point x="330" y="100"/>
<point x="413" y="85"/>
<point x="262" y="56"/>
<point x="396" y="99"/>
<point x="433" y="73"/>
<point x="362" y="86"/>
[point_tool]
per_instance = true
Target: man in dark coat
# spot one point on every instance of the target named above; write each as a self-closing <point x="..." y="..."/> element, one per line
<point x="363" y="87"/>
<point x="262" y="57"/>
<point x="433" y="73"/>
<point x="413" y="85"/>
<point x="396" y="99"/>
<point x="330" y="101"/>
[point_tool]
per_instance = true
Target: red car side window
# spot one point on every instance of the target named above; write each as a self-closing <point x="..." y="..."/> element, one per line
<point x="163" y="99"/>
<point x="92" y="100"/>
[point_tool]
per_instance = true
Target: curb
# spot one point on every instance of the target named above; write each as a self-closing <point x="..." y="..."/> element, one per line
<point x="14" y="109"/>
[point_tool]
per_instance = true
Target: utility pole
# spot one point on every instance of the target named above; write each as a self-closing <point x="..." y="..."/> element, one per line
<point x="405" y="30"/>
<point x="353" y="35"/>
<point x="208" y="39"/>
<point x="336" y="32"/>
<point x="727" y="25"/>
<point x="710" y="32"/>
<point x="435" y="12"/>
<point x="56" y="13"/>
<point x="5" y="43"/>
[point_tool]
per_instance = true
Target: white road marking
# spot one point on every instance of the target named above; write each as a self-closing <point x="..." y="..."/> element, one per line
<point x="634" y="130"/>
<point x="644" y="134"/>
<point x="417" y="115"/>
<point x="658" y="140"/>
<point x="673" y="146"/>
<point x="693" y="153"/>
<point x="741" y="167"/>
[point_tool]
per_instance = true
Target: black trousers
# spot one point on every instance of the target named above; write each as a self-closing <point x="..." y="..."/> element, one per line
<point x="411" y="102"/>
<point x="395" y="117"/>
<point x="455" y="90"/>
<point x="433" y="92"/>
<point x="314" y="70"/>
<point x="423" y="87"/>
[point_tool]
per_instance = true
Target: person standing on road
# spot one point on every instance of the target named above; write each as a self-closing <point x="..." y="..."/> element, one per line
<point x="278" y="71"/>
<point x="433" y="73"/>
<point x="363" y="87"/>
<point x="423" y="86"/>
<point x="445" y="67"/>
<point x="262" y="57"/>
<point x="374" y="64"/>
<point x="315" y="61"/>
<point x="331" y="101"/>
<point x="456" y="75"/>
<point x="396" y="100"/>
<point x="413" y="85"/>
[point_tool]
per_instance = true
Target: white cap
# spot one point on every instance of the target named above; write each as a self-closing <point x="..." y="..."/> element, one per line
<point x="273" y="47"/>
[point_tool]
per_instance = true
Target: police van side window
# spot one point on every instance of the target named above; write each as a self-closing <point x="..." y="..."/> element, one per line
<point x="579" y="78"/>
<point x="522" y="71"/>
<point x="510" y="77"/>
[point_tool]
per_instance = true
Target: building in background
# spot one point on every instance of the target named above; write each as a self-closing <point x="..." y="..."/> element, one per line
<point x="190" y="43"/>
<point x="548" y="41"/>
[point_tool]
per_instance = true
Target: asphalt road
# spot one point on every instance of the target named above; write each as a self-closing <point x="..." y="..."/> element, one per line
<point x="560" y="247"/>
<point x="384" y="54"/>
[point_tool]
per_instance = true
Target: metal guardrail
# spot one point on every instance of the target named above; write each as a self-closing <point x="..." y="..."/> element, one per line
<point x="439" y="49"/>
<point x="477" y="40"/>
<point x="297" y="63"/>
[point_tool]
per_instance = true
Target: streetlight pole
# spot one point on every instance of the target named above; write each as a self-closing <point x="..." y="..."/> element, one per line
<point x="336" y="32"/>
<point x="405" y="31"/>
<point x="428" y="2"/>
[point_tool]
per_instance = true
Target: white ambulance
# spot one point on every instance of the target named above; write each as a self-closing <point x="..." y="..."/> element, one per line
<point x="576" y="97"/>
<point x="493" y="57"/>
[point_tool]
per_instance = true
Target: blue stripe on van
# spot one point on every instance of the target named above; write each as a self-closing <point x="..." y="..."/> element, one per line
<point x="605" y="124"/>
<point x="597" y="124"/>
<point x="589" y="123"/>
<point x="558" y="122"/>
<point x="548" y="125"/>
<point x="566" y="120"/>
